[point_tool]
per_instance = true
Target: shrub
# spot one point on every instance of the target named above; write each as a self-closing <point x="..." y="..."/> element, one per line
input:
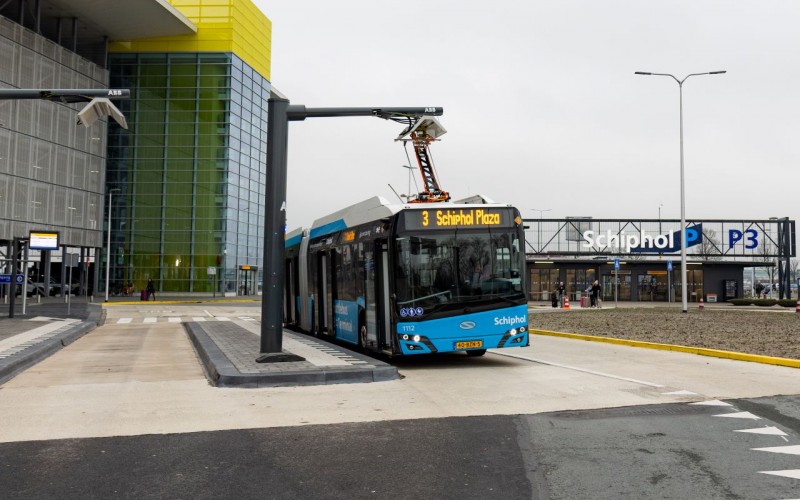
<point x="764" y="302"/>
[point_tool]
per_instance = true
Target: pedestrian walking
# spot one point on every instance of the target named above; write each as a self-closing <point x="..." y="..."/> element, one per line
<point x="151" y="290"/>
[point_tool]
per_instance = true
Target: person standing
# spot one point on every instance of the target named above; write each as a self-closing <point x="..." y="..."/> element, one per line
<point x="151" y="290"/>
<point x="595" y="293"/>
<point x="562" y="292"/>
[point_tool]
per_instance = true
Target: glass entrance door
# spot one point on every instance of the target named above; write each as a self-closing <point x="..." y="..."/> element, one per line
<point x="623" y="287"/>
<point x="653" y="286"/>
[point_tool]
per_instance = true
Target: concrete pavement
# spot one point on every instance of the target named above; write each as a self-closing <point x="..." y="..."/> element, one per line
<point x="226" y="349"/>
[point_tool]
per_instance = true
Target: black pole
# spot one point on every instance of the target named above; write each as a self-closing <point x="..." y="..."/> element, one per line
<point x="274" y="227"/>
<point x="280" y="113"/>
<point x="14" y="269"/>
<point x="64" y="95"/>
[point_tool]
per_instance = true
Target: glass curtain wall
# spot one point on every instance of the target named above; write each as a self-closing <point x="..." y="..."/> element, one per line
<point x="190" y="172"/>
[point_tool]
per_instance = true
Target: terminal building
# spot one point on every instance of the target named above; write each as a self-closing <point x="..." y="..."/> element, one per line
<point x="179" y="195"/>
<point x="182" y="187"/>
<point x="642" y="257"/>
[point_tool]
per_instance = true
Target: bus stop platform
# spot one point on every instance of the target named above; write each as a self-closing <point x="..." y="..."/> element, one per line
<point x="228" y="353"/>
<point x="227" y="350"/>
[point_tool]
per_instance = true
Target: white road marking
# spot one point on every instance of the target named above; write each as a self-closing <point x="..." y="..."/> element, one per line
<point x="789" y="450"/>
<point x="793" y="473"/>
<point x="150" y="319"/>
<point x="223" y="318"/>
<point x="679" y="393"/>
<point x="712" y="402"/>
<point x="591" y="372"/>
<point x="123" y="321"/>
<point x="198" y="318"/>
<point x="740" y="414"/>
<point x="208" y="313"/>
<point x="768" y="431"/>
<point x="174" y="319"/>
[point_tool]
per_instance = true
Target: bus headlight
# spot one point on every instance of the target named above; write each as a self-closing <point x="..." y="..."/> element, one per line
<point x="416" y="338"/>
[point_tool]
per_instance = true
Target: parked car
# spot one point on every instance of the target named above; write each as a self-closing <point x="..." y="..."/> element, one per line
<point x="31" y="289"/>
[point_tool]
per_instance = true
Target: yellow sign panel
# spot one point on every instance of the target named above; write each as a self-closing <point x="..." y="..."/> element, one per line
<point x="459" y="218"/>
<point x="41" y="240"/>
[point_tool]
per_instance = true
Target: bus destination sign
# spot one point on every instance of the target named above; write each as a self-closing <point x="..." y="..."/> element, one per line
<point x="458" y="218"/>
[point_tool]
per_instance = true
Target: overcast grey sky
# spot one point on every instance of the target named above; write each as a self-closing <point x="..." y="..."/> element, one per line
<point x="542" y="106"/>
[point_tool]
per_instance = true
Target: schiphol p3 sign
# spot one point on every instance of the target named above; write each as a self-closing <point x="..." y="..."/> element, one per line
<point x="642" y="242"/>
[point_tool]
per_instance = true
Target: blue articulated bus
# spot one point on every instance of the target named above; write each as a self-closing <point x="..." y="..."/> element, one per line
<point x="415" y="278"/>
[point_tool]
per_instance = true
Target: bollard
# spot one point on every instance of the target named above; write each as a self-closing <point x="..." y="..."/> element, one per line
<point x="701" y="303"/>
<point x="797" y="309"/>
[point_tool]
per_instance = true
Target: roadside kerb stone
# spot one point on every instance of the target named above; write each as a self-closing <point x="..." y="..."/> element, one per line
<point x="228" y="353"/>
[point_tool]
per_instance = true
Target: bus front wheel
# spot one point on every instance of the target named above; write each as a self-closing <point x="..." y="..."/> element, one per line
<point x="476" y="352"/>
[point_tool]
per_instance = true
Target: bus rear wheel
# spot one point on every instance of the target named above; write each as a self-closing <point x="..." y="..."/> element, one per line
<point x="362" y="336"/>
<point x="476" y="352"/>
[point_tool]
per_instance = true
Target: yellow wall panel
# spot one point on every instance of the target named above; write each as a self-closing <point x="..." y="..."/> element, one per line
<point x="236" y="26"/>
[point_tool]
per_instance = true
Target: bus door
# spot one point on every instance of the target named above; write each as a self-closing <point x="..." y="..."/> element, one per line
<point x="383" y="314"/>
<point x="325" y="294"/>
<point x="290" y="293"/>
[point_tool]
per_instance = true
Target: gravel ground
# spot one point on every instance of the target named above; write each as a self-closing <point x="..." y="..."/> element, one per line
<point x="769" y="332"/>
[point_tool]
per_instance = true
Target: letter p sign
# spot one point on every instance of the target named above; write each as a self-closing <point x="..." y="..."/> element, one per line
<point x="750" y="237"/>
<point x="692" y="236"/>
<point x="734" y="236"/>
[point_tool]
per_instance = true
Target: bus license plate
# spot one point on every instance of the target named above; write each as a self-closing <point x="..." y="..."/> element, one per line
<point x="469" y="344"/>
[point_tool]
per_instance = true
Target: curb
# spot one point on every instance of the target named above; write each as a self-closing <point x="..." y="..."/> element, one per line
<point x="222" y="373"/>
<point x="39" y="352"/>
<point x="714" y="353"/>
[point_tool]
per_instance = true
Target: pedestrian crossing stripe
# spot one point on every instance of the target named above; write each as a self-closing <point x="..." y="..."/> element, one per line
<point x="794" y="473"/>
<point x="178" y="319"/>
<point x="789" y="450"/>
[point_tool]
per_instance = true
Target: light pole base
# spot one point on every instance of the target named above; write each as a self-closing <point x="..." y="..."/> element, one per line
<point x="279" y="357"/>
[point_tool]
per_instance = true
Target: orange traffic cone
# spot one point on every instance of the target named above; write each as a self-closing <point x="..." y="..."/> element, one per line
<point x="566" y="302"/>
<point x="701" y="303"/>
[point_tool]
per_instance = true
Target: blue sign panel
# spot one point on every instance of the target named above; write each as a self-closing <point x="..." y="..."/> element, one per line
<point x="616" y="264"/>
<point x="668" y="243"/>
<point x="669" y="265"/>
<point x="5" y="279"/>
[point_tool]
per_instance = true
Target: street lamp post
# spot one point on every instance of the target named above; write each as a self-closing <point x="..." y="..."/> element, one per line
<point x="685" y="303"/>
<point x="539" y="233"/>
<point x="108" y="240"/>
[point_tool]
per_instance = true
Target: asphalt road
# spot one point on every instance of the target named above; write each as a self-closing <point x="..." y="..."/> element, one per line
<point x="125" y="412"/>
<point x="661" y="451"/>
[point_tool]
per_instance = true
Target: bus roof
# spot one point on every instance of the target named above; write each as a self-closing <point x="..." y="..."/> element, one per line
<point x="377" y="208"/>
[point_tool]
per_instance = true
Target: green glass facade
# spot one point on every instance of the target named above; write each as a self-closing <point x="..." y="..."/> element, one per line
<point x="190" y="173"/>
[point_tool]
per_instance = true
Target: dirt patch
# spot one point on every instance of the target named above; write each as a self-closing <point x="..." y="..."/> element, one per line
<point x="765" y="332"/>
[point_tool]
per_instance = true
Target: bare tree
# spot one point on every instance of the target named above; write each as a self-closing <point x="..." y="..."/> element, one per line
<point x="710" y="248"/>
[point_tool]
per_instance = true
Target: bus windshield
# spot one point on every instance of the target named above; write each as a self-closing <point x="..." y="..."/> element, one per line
<point x="434" y="271"/>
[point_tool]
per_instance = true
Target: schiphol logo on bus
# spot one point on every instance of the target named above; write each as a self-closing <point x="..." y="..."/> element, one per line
<point x="642" y="242"/>
<point x="467" y="325"/>
<point x="410" y="312"/>
<point x="510" y="320"/>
